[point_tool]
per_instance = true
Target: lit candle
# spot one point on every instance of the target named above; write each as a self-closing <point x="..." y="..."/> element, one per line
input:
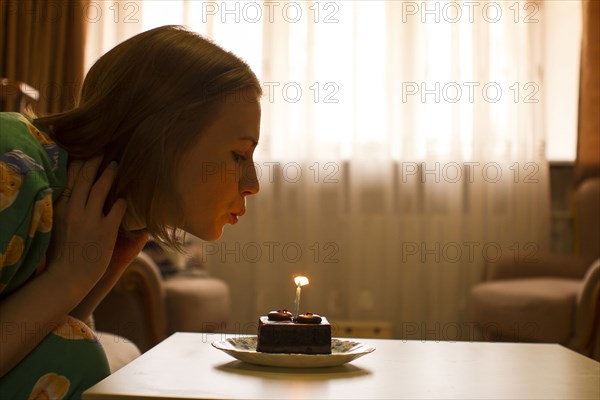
<point x="300" y="281"/>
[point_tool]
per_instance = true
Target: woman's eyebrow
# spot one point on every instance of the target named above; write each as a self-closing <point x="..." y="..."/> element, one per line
<point x="251" y="139"/>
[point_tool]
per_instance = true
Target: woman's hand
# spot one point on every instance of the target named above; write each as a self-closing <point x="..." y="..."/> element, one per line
<point x="81" y="248"/>
<point x="83" y="238"/>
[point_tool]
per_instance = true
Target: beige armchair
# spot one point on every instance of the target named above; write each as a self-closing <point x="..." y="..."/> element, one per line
<point x="146" y="307"/>
<point x="555" y="299"/>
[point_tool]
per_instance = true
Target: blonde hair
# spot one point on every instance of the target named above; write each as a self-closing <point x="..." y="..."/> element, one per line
<point x="143" y="104"/>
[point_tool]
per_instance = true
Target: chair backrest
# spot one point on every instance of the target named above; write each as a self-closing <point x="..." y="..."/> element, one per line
<point x="587" y="218"/>
<point x="135" y="307"/>
<point x="15" y="95"/>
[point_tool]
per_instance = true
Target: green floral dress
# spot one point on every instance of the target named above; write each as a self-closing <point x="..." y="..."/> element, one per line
<point x="33" y="172"/>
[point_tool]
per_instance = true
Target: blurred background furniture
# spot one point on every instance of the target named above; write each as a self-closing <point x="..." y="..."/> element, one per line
<point x="119" y="350"/>
<point x="152" y="301"/>
<point x="556" y="298"/>
<point x="16" y="96"/>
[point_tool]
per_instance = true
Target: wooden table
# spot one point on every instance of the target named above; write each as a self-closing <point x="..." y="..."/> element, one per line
<point x="186" y="366"/>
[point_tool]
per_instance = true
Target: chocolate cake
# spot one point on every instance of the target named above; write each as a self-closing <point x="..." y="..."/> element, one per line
<point x="279" y="332"/>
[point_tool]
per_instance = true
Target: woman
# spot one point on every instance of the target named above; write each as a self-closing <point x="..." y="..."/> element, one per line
<point x="162" y="139"/>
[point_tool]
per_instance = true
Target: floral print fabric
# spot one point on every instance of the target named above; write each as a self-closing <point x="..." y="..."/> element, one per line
<point x="32" y="176"/>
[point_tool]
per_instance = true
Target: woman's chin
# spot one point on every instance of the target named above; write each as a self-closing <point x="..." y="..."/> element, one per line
<point x="209" y="236"/>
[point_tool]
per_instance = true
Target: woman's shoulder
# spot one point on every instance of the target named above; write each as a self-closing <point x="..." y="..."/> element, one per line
<point x="30" y="172"/>
<point x="20" y="130"/>
<point x="30" y="162"/>
<point x="23" y="138"/>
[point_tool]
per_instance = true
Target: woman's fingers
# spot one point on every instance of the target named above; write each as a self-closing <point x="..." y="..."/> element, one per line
<point x="80" y="221"/>
<point x="86" y="193"/>
<point x="72" y="172"/>
<point x="89" y="197"/>
<point x="111" y="223"/>
<point x="101" y="188"/>
<point x="84" y="181"/>
<point x="116" y="214"/>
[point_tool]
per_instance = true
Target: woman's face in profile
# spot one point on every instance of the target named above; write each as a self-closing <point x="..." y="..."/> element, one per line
<point x="217" y="172"/>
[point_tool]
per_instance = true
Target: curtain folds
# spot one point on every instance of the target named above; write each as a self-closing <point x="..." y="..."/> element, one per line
<point x="588" y="140"/>
<point x="420" y="159"/>
<point x="42" y="43"/>
<point x="402" y="149"/>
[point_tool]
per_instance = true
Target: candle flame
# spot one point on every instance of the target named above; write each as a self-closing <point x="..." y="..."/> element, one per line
<point x="301" y="280"/>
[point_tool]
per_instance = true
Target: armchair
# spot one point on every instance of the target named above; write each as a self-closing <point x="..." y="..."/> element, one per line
<point x="146" y="307"/>
<point x="555" y="299"/>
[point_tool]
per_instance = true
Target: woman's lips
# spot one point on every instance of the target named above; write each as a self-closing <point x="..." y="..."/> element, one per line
<point x="234" y="216"/>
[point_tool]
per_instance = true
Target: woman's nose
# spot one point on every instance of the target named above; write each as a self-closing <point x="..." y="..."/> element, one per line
<point x="249" y="183"/>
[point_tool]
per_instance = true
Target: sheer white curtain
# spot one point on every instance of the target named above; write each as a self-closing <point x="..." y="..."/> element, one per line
<point x="402" y="147"/>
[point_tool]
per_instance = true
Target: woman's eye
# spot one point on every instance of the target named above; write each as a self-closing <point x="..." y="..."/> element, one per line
<point x="239" y="157"/>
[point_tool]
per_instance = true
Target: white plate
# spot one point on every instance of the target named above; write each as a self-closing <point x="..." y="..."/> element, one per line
<point x="244" y="349"/>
